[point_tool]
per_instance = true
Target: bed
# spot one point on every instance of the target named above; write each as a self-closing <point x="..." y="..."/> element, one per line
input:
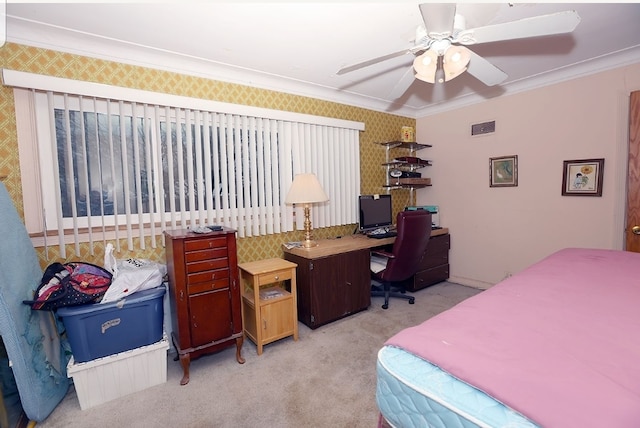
<point x="555" y="345"/>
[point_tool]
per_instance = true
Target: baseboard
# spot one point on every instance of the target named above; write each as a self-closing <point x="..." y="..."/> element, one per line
<point x="480" y="285"/>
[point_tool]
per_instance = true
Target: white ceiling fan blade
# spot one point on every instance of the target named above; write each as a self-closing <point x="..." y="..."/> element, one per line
<point x="403" y="84"/>
<point x="364" y="64"/>
<point x="438" y="18"/>
<point x="484" y="71"/>
<point x="556" y="23"/>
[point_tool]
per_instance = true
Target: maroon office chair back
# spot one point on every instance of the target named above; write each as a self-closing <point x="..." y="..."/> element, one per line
<point x="414" y="230"/>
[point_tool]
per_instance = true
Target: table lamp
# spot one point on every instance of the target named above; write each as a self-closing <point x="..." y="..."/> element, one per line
<point x="306" y="190"/>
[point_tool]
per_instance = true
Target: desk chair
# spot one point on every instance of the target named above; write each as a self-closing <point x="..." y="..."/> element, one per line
<point x="390" y="269"/>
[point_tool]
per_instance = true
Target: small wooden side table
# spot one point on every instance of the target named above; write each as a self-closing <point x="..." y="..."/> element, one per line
<point x="269" y="311"/>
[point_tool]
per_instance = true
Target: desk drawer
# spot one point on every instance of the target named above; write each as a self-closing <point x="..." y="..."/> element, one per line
<point x="273" y="277"/>
<point x="439" y="243"/>
<point x="437" y="253"/>
<point x="434" y="259"/>
<point x="428" y="277"/>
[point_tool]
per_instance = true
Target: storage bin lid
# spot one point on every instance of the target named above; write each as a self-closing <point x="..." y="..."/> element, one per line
<point x="137" y="297"/>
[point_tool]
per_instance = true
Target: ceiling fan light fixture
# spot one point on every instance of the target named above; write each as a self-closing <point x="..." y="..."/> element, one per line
<point x="455" y="62"/>
<point x="425" y="66"/>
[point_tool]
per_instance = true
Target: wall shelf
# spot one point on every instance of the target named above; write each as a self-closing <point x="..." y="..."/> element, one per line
<point x="404" y="165"/>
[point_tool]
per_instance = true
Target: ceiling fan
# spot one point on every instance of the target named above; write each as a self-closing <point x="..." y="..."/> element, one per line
<point x="440" y="51"/>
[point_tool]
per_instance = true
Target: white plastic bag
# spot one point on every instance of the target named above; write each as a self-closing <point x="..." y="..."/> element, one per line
<point x="131" y="275"/>
<point x="110" y="262"/>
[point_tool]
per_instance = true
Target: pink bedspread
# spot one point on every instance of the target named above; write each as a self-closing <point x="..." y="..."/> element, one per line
<point x="558" y="342"/>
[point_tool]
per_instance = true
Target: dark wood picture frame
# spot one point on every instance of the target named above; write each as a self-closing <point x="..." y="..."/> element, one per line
<point x="582" y="177"/>
<point x="503" y="171"/>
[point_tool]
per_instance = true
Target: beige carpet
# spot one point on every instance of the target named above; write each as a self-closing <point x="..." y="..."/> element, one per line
<point x="325" y="379"/>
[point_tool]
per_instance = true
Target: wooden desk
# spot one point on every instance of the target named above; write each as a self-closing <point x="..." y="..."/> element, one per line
<point x="329" y="247"/>
<point x="334" y="277"/>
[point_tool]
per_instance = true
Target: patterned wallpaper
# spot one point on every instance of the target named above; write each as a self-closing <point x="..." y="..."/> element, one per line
<point x="378" y="127"/>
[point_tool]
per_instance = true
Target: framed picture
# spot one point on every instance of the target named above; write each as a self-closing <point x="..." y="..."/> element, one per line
<point x="503" y="171"/>
<point x="582" y="177"/>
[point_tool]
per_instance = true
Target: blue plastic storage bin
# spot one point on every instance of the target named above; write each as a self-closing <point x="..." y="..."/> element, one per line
<point x="98" y="330"/>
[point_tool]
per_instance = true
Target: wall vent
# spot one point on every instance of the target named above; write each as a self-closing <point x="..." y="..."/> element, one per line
<point x="483" y="128"/>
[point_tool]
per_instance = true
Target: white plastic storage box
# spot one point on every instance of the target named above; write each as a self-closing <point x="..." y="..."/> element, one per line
<point x="114" y="376"/>
<point x="98" y="330"/>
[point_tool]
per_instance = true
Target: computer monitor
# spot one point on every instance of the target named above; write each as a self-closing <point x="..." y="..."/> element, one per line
<point x="375" y="212"/>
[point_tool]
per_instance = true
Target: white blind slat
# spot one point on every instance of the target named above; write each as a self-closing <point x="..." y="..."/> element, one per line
<point x="125" y="174"/>
<point x="180" y="164"/>
<point x="99" y="166"/>
<point x="216" y="145"/>
<point x="68" y="161"/>
<point x="138" y="178"/>
<point x="207" y="156"/>
<point x="261" y="169"/>
<point x="151" y="197"/>
<point x="238" y="202"/>
<point x="170" y="167"/>
<point x="226" y="181"/>
<point x="254" y="187"/>
<point x="190" y="192"/>
<point x="85" y="177"/>
<point x="112" y="165"/>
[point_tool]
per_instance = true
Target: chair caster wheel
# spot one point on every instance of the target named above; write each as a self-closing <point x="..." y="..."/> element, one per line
<point x="412" y="301"/>
<point x="385" y="306"/>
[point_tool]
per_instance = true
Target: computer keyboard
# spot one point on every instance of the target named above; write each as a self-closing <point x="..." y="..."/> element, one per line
<point x="388" y="234"/>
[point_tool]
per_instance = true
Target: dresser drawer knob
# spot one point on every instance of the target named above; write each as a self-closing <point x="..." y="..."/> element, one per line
<point x="276" y="277"/>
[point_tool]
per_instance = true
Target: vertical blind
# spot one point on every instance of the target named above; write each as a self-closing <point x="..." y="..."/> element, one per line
<point x="116" y="168"/>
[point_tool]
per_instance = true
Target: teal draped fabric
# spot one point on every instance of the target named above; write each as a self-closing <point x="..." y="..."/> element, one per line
<point x="30" y="337"/>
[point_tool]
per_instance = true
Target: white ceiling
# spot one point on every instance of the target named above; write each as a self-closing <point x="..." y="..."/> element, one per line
<point x="297" y="47"/>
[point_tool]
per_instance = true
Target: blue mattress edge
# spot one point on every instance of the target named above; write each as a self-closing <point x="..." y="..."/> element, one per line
<point x="412" y="392"/>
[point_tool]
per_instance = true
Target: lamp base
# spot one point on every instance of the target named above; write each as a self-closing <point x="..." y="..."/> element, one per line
<point x="308" y="243"/>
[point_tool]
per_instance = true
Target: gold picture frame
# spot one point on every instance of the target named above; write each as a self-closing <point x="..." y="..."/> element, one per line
<point x="503" y="171"/>
<point x="582" y="177"/>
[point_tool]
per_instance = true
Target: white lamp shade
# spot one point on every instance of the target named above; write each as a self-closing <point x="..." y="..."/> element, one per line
<point x="305" y="189"/>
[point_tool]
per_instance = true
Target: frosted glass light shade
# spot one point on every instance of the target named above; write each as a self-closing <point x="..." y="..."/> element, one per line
<point x="305" y="189"/>
<point x="425" y="66"/>
<point x="455" y="61"/>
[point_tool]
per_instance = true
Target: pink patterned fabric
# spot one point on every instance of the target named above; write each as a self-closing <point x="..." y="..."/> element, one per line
<point x="558" y="342"/>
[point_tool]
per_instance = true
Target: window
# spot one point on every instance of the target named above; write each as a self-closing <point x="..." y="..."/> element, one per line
<point x="134" y="166"/>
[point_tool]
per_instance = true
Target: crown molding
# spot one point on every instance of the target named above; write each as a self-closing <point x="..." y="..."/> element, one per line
<point x="37" y="34"/>
<point x="55" y="38"/>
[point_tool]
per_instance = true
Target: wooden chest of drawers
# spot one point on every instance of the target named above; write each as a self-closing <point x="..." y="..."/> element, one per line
<point x="205" y="294"/>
